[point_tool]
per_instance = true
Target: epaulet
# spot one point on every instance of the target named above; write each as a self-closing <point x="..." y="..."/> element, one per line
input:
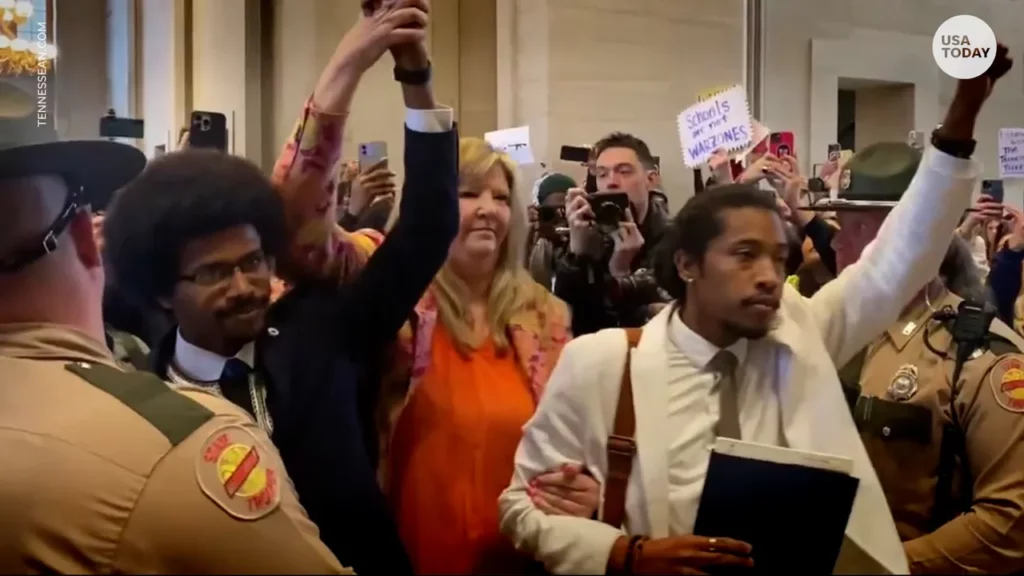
<point x="1001" y="346"/>
<point x="1003" y="340"/>
<point x="174" y="415"/>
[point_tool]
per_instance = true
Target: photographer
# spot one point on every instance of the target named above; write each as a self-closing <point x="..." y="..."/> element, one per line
<point x="366" y="196"/>
<point x="548" y="228"/>
<point x="605" y="274"/>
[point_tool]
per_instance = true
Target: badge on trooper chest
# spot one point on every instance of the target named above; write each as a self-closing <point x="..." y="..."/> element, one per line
<point x="903" y="385"/>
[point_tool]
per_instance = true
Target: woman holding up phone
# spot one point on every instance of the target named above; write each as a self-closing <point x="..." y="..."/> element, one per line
<point x="983" y="228"/>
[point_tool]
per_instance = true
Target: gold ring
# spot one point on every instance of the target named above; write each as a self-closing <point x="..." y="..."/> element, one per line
<point x="711" y="544"/>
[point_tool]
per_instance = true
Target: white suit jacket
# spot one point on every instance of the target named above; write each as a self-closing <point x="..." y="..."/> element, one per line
<point x="796" y="363"/>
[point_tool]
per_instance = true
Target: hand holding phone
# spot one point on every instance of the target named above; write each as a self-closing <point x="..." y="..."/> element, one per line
<point x="833" y="152"/>
<point x="371" y="154"/>
<point x="208" y="130"/>
<point x="781" y="144"/>
<point x="993" y="189"/>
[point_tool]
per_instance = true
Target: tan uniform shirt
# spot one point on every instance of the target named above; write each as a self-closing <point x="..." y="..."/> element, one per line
<point x="990" y="408"/>
<point x="91" y="486"/>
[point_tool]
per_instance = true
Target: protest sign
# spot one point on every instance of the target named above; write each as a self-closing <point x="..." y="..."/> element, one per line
<point x="758" y="133"/>
<point x="723" y="121"/>
<point x="512" y="141"/>
<point x="1011" y="153"/>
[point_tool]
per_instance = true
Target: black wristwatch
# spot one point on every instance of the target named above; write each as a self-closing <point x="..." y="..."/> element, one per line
<point x="413" y="77"/>
<point x="955" y="148"/>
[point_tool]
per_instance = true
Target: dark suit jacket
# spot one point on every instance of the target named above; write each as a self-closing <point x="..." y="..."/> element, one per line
<point x="320" y="339"/>
<point x="148" y="323"/>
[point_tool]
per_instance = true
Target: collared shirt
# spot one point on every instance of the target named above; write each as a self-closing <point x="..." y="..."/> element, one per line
<point x="693" y="412"/>
<point x="195" y="366"/>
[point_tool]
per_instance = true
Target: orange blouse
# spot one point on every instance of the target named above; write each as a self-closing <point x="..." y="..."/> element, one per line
<point x="452" y="456"/>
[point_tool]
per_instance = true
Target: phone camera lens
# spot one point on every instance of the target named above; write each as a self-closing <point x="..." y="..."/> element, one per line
<point x="205" y="124"/>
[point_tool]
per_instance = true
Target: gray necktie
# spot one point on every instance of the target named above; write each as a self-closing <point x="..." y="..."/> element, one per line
<point x="724" y="364"/>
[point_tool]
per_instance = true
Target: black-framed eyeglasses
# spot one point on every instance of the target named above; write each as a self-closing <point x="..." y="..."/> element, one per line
<point x="22" y="257"/>
<point x="215" y="273"/>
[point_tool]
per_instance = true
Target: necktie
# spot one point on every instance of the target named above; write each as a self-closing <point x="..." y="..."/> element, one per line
<point x="724" y="364"/>
<point x="234" y="384"/>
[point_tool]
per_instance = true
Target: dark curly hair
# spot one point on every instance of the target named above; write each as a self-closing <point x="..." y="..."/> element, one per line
<point x="623" y="140"/>
<point x="177" y="198"/>
<point x="696" y="224"/>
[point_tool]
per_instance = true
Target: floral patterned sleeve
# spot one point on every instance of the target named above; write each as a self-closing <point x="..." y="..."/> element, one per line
<point x="304" y="176"/>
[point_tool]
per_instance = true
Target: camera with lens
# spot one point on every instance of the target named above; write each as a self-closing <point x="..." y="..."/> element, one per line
<point x="609" y="209"/>
<point x="640" y="285"/>
<point x="817" y="185"/>
<point x="551" y="215"/>
<point x="552" y="225"/>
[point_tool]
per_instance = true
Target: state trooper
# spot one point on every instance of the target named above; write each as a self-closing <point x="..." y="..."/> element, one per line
<point x="111" y="471"/>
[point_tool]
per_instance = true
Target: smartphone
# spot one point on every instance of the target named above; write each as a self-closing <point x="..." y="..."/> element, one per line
<point x="993" y="188"/>
<point x="781" y="143"/>
<point x="208" y="130"/>
<point x="371" y="153"/>
<point x="114" y="127"/>
<point x="579" y="154"/>
<point x="833" y="152"/>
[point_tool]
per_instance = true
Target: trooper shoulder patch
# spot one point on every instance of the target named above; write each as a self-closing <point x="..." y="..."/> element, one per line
<point x="1007" y="381"/>
<point x="238" y="474"/>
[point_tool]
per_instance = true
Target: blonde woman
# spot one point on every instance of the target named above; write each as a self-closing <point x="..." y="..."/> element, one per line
<point x="483" y="342"/>
<point x="482" y="317"/>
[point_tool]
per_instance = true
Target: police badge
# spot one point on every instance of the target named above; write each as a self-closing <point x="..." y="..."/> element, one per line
<point x="904" y="383"/>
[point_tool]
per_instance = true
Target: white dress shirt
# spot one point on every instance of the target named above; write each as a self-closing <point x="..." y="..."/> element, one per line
<point x="195" y="366"/>
<point x="439" y="120"/>
<point x="693" y="412"/>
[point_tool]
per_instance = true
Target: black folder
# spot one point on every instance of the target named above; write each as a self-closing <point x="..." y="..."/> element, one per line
<point x="793" y="515"/>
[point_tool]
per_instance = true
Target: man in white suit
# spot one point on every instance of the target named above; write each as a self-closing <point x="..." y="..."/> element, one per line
<point x="726" y="256"/>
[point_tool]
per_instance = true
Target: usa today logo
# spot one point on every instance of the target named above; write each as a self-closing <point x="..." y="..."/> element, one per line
<point x="964" y="47"/>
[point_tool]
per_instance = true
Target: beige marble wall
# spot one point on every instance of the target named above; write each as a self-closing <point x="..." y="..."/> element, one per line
<point x="162" y="78"/>
<point x="892" y="37"/>
<point x="82" y="92"/>
<point x="883" y="114"/>
<point x="306" y="32"/>
<point x="583" y="68"/>
<point x="226" y="69"/>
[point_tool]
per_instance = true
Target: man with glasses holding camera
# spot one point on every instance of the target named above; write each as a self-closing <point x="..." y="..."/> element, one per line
<point x="605" y="275"/>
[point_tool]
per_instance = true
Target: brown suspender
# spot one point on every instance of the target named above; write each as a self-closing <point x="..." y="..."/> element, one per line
<point x="621" y="444"/>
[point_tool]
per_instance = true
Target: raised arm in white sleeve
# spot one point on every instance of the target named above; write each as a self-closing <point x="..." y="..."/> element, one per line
<point x="868" y="296"/>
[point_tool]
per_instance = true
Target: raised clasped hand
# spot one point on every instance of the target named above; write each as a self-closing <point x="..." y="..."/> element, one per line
<point x="385" y="24"/>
